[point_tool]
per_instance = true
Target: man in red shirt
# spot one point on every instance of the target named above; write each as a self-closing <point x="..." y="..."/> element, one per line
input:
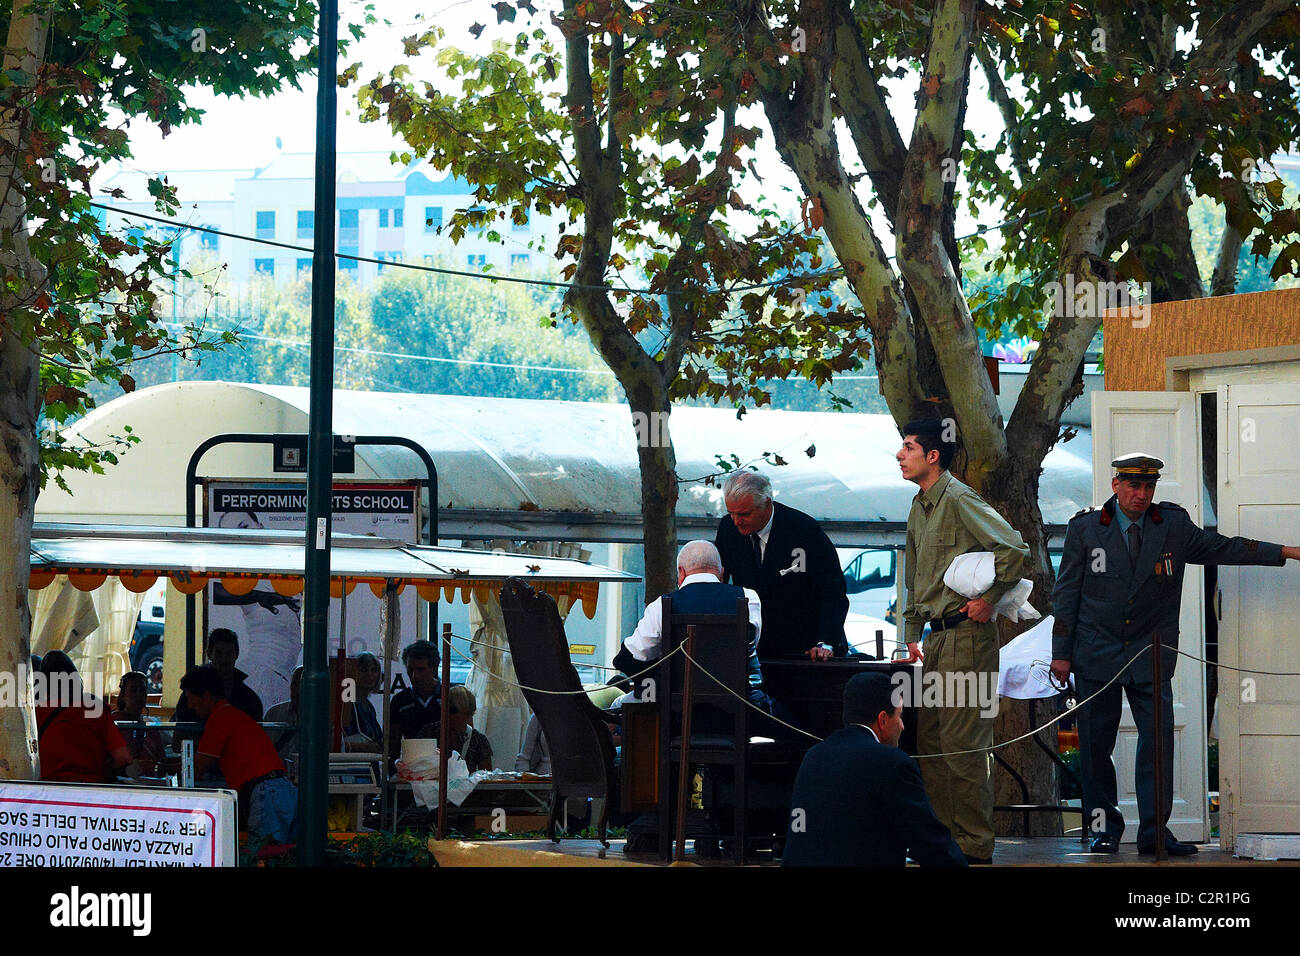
<point x="235" y="743"/>
<point x="79" y="743"/>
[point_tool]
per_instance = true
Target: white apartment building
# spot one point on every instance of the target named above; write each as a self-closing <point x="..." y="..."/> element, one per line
<point x="384" y="211"/>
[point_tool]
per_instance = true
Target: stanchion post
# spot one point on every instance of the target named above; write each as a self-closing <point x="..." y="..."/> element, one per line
<point x="683" y="776"/>
<point x="1158" y="744"/>
<point x="442" y="733"/>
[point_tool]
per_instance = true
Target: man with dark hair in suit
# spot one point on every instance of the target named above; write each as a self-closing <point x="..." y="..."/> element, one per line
<point x="785" y="556"/>
<point x="858" y="799"/>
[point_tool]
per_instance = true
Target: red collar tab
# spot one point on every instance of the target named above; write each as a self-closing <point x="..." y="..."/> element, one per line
<point x="1107" y="512"/>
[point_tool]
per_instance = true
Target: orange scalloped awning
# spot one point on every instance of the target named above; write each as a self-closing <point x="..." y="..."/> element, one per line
<point x="137" y="582"/>
<point x="86" y="580"/>
<point x="40" y="579"/>
<point x="237" y="585"/>
<point x="287" y="587"/>
<point x="586" y="593"/>
<point x="188" y="582"/>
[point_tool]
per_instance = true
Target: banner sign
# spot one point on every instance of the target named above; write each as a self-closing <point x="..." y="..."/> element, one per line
<point x="49" y="824"/>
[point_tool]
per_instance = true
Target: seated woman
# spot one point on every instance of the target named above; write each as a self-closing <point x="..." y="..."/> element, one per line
<point x="473" y="747"/>
<point x="146" y="745"/>
<point x="361" y="731"/>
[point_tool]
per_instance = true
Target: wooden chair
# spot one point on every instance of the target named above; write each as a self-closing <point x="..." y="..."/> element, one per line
<point x="582" y="749"/>
<point x="722" y="731"/>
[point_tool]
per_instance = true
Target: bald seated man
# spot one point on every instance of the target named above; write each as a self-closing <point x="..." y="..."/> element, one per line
<point x="699" y="591"/>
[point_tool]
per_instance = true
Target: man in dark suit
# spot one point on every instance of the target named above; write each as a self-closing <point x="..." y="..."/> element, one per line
<point x="786" y="557"/>
<point x="1120" y="584"/>
<point x="858" y="799"/>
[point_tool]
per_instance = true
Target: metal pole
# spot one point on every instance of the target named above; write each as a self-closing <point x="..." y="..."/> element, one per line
<point x="442" y="733"/>
<point x="1158" y="746"/>
<point x="313" y="783"/>
<point x="684" y="771"/>
<point x="390" y="644"/>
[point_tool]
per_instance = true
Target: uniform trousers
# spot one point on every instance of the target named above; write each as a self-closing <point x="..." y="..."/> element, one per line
<point x="960" y="787"/>
<point x="1098" y="726"/>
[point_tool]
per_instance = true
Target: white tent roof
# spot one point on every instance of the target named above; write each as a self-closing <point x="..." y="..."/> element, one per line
<point x="508" y="467"/>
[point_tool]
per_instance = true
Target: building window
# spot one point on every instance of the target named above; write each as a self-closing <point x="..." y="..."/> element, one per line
<point x="399" y="217"/>
<point x="266" y="224"/>
<point x="306" y="223"/>
<point x="383" y="219"/>
<point x="432" y="218"/>
<point x="304" y="265"/>
<point x="518" y="259"/>
<point x="264" y="266"/>
<point x="384" y="257"/>
<point x="208" y="240"/>
<point x="477" y="259"/>
<point x="348" y="265"/>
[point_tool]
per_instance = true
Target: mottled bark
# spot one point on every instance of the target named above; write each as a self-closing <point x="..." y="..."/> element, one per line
<point x="19" y="395"/>
<point x="600" y="169"/>
<point x="923" y="232"/>
<point x="1013" y="491"/>
<point x="1174" y="274"/>
<point x="1224" y="281"/>
<point x="802" y="126"/>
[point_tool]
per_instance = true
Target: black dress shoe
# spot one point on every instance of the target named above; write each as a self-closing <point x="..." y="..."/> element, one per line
<point x="1172" y="847"/>
<point x="1104" y="843"/>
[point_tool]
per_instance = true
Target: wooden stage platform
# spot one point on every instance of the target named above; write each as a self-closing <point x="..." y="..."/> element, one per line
<point x="1010" y="852"/>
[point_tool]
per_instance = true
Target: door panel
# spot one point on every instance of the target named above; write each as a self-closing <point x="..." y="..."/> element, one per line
<point x="1162" y="424"/>
<point x="1259" y="497"/>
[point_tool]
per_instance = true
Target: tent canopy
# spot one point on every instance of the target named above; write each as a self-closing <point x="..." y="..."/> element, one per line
<point x="513" y="468"/>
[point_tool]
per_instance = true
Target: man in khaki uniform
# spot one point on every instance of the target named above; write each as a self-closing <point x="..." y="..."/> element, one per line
<point x="949" y="519"/>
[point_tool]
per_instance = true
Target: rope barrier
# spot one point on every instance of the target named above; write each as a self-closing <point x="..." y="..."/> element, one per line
<point x="681" y="648"/>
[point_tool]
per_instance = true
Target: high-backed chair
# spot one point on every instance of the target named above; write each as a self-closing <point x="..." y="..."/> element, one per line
<point x="582" y="749"/>
<point x="723" y="723"/>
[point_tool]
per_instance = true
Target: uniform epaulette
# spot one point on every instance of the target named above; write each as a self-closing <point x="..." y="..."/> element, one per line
<point x="1172" y="505"/>
<point x="1085" y="511"/>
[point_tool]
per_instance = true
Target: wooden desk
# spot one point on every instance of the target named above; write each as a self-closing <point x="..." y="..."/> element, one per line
<point x="813" y="691"/>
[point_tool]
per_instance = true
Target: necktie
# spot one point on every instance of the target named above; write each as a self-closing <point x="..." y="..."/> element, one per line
<point x="1134" y="543"/>
<point x="758" y="550"/>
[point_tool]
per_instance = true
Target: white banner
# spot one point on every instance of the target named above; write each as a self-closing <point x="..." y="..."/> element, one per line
<point x="64" y="824"/>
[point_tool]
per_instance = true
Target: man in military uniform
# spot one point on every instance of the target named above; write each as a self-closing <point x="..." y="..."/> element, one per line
<point x="1120" y="584"/>
<point x="949" y="519"/>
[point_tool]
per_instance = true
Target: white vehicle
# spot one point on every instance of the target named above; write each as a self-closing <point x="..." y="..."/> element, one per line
<point x="871" y="580"/>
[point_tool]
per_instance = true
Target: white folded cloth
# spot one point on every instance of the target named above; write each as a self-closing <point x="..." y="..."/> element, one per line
<point x="971" y="574"/>
<point x="1025" y="664"/>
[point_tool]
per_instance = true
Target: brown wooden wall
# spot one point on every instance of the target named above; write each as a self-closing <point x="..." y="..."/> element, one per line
<point x="1135" y="357"/>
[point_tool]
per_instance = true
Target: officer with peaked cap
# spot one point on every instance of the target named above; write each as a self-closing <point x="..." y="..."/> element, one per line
<point x="1120" y="583"/>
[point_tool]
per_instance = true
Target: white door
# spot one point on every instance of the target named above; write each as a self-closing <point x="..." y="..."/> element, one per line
<point x="1259" y="715"/>
<point x="1162" y="424"/>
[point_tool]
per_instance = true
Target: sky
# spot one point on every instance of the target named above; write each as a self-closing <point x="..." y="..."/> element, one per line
<point x="237" y="133"/>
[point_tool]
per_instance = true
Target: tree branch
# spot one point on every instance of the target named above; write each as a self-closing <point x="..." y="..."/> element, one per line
<point x="923" y="254"/>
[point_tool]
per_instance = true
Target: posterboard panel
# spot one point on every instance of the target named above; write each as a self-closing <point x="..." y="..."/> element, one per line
<point x="269" y="625"/>
<point x="51" y="824"/>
